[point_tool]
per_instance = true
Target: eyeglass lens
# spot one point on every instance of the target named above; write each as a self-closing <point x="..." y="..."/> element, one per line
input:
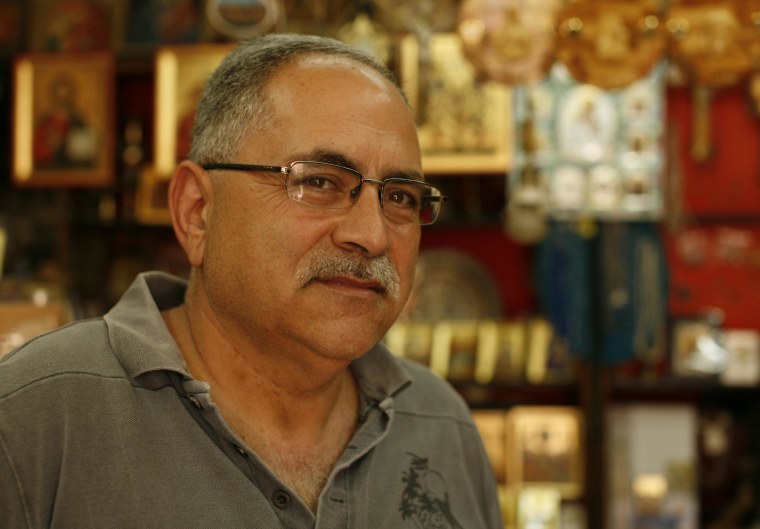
<point x="329" y="186"/>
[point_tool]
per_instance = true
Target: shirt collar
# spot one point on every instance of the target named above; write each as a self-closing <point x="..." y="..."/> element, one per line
<point x="380" y="374"/>
<point x="136" y="329"/>
<point x="143" y="343"/>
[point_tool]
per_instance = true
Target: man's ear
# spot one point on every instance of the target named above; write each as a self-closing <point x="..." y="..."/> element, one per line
<point x="189" y="197"/>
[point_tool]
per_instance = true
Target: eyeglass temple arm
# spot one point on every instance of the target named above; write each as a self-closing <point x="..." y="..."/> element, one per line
<point x="245" y="167"/>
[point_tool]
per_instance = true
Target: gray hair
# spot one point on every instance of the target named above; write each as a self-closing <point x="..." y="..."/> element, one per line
<point x="234" y="102"/>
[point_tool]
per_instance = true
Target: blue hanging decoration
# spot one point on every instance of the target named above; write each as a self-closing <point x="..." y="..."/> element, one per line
<point x="650" y="294"/>
<point x="632" y="292"/>
<point x="616" y="318"/>
<point x="563" y="273"/>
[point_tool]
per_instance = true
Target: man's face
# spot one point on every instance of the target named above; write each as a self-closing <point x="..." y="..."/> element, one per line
<point x="259" y="241"/>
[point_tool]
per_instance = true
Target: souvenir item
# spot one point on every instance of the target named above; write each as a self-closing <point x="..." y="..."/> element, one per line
<point x="698" y="349"/>
<point x="527" y="203"/>
<point x="748" y="12"/>
<point x="74" y="25"/>
<point x="599" y="152"/>
<point x="633" y="287"/>
<point x="364" y="34"/>
<point x="451" y="285"/>
<point x="604" y="189"/>
<point x="610" y="43"/>
<point x="242" y="20"/>
<point x="639" y="191"/>
<point x="539" y="346"/>
<point x="63" y="117"/>
<point x="465" y="126"/>
<point x="568" y="189"/>
<point x="564" y="286"/>
<point x="419" y="17"/>
<point x="181" y="74"/>
<point x="501" y="351"/>
<point x="705" y="41"/>
<point x="412" y="340"/>
<point x="539" y="507"/>
<point x="587" y="125"/>
<point x="743" y="351"/>
<point x="527" y="216"/>
<point x="462" y="338"/>
<point x="544" y="448"/>
<point x="510" y="41"/>
<point x="422" y="20"/>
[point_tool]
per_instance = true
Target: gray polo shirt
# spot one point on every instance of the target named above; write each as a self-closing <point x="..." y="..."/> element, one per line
<point x="101" y="425"/>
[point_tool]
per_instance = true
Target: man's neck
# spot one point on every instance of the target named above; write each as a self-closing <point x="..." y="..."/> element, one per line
<point x="297" y="419"/>
<point x="288" y="393"/>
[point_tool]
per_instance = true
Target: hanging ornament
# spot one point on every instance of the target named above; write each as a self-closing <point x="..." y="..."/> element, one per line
<point x="705" y="44"/>
<point x="365" y="35"/>
<point x="510" y="41"/>
<point x="243" y="20"/>
<point x="610" y="43"/>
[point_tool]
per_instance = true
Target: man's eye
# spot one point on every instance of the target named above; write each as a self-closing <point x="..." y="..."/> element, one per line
<point x="403" y="198"/>
<point x="324" y="183"/>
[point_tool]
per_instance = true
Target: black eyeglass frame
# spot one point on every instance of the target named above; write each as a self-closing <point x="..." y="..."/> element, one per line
<point x="286" y="170"/>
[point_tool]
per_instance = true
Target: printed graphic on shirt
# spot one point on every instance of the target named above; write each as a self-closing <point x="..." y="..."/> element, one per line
<point x="425" y="500"/>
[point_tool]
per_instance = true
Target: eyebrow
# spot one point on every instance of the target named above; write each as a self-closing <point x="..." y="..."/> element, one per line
<point x="336" y="158"/>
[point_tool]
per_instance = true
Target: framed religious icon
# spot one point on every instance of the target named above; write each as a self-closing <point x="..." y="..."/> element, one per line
<point x="181" y="74"/>
<point x="465" y="125"/>
<point x="76" y="25"/>
<point x="545" y="448"/>
<point x="63" y="120"/>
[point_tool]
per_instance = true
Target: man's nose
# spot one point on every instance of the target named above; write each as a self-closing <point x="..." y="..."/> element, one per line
<point x="364" y="225"/>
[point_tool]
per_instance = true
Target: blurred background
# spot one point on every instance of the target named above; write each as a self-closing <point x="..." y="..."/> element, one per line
<point x="589" y="286"/>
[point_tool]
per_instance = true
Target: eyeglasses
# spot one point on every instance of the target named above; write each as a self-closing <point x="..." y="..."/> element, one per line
<point x="328" y="186"/>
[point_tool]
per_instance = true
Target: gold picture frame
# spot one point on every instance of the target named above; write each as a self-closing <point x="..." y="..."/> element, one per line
<point x="465" y="125"/>
<point x="181" y="74"/>
<point x="545" y="448"/>
<point x="63" y="120"/>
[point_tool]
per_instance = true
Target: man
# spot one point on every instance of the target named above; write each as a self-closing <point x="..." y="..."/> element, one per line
<point x="257" y="394"/>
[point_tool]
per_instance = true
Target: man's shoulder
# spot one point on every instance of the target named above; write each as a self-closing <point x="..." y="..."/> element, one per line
<point x="80" y="348"/>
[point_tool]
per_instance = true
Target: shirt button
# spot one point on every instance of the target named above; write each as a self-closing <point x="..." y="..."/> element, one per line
<point x="281" y="499"/>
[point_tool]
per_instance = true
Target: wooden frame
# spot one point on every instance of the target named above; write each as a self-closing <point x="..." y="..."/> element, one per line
<point x="464" y="126"/>
<point x="175" y="100"/>
<point x="63" y="119"/>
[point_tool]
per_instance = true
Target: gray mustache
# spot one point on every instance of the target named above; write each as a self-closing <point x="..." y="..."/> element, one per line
<point x="323" y="265"/>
